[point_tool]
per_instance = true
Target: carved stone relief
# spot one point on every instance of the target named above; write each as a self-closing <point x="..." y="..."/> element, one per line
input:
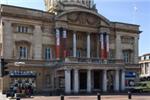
<point x="82" y="18"/>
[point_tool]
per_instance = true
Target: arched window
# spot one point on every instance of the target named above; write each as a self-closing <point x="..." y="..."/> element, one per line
<point x="22" y="50"/>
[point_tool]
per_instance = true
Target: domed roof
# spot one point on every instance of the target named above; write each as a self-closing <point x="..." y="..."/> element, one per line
<point x="52" y="5"/>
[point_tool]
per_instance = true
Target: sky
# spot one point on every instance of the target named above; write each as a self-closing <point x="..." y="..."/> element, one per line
<point x="127" y="11"/>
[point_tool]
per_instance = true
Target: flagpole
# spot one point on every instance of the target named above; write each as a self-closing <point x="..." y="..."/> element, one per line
<point x="134" y="12"/>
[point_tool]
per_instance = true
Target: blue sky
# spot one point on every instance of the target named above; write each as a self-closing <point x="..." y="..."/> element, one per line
<point x="128" y="11"/>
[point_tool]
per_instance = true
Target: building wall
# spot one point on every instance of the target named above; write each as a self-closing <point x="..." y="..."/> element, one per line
<point x="33" y="31"/>
<point x="144" y="62"/>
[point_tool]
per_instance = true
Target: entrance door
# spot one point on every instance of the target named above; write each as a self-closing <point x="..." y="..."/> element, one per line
<point x="83" y="80"/>
<point x="96" y="79"/>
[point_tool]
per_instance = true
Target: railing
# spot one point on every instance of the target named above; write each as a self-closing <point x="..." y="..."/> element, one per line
<point x="54" y="63"/>
<point x="93" y="60"/>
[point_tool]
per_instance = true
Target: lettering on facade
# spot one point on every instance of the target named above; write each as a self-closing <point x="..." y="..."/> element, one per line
<point x="17" y="73"/>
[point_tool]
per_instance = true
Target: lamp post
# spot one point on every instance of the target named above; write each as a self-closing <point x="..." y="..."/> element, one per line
<point x="19" y="65"/>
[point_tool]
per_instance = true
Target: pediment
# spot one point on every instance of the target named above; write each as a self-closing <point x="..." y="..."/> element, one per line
<point x="83" y="18"/>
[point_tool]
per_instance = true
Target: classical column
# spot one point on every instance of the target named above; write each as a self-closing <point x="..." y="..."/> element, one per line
<point x="68" y="81"/>
<point x="76" y="81"/>
<point x="88" y="45"/>
<point x="64" y="38"/>
<point x="116" y="85"/>
<point x="122" y="80"/>
<point x="88" y="80"/>
<point x="136" y="49"/>
<point x="57" y="44"/>
<point x="107" y="39"/>
<point x="118" y="47"/>
<point x="74" y="44"/>
<point x="105" y="80"/>
<point x="102" y="45"/>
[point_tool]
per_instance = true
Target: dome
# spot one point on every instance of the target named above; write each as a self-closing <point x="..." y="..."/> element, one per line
<point x="55" y="5"/>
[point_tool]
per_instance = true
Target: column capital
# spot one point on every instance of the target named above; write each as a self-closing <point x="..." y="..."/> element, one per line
<point x="104" y="33"/>
<point x="67" y="69"/>
<point x="75" y="69"/>
<point x="74" y="31"/>
<point x="89" y="69"/>
<point x="105" y="70"/>
<point x="88" y="33"/>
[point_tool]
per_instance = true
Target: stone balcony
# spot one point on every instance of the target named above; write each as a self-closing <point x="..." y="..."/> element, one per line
<point x="92" y="60"/>
<point x="58" y="63"/>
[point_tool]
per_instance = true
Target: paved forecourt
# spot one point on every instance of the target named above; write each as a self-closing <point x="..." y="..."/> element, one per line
<point x="105" y="97"/>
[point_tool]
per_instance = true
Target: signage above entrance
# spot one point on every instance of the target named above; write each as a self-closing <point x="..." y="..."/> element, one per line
<point x="22" y="74"/>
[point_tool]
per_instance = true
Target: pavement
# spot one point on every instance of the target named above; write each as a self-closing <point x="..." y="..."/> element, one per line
<point x="105" y="97"/>
<point x="92" y="97"/>
<point x="3" y="97"/>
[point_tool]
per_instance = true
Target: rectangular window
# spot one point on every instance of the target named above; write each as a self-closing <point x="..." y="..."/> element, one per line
<point x="146" y="68"/>
<point x="112" y="54"/>
<point x="48" y="53"/>
<point x="23" y="52"/>
<point x="22" y="29"/>
<point x="78" y="53"/>
<point x="127" y="56"/>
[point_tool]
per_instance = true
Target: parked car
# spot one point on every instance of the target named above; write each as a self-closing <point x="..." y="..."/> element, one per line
<point x="141" y="87"/>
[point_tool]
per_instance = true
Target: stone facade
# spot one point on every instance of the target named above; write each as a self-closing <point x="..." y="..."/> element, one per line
<point x="144" y="62"/>
<point x="71" y="48"/>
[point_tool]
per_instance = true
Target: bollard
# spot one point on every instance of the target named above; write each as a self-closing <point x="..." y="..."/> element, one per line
<point x="18" y="98"/>
<point x="129" y="95"/>
<point x="61" y="97"/>
<point x="98" y="96"/>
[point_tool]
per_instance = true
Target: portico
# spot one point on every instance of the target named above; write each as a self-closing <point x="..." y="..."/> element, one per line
<point x="90" y="80"/>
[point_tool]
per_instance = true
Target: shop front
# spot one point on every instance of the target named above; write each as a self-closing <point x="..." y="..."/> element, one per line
<point x="22" y="82"/>
<point x="130" y="78"/>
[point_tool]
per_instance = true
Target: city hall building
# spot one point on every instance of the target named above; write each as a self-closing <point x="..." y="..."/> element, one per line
<point x="70" y="47"/>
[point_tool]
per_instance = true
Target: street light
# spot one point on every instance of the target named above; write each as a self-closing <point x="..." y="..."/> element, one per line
<point x="19" y="64"/>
